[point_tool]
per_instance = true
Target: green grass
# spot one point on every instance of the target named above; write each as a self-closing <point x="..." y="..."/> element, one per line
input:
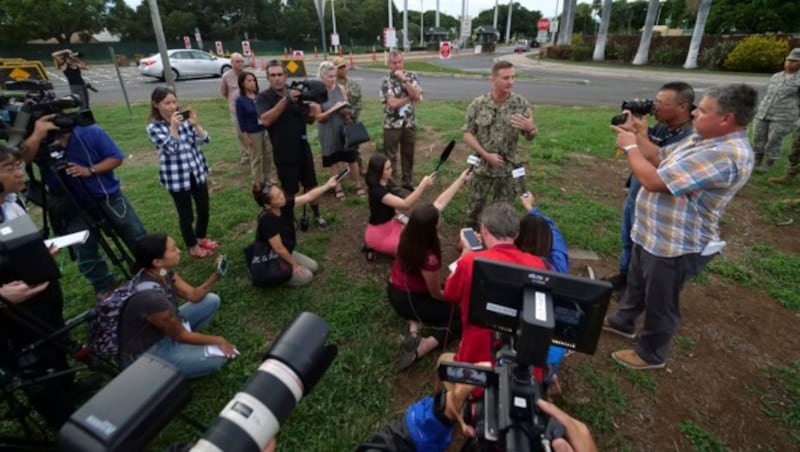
<point x="355" y="395"/>
<point x="701" y="439"/>
<point x="424" y="66"/>
<point x="781" y="400"/>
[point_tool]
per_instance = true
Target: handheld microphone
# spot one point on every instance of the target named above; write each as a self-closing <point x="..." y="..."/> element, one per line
<point x="445" y="154"/>
<point x="473" y="161"/>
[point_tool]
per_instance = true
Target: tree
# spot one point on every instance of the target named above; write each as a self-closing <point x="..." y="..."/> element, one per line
<point x="600" y="44"/>
<point x="697" y="36"/>
<point x="647" y="33"/>
<point x="584" y="20"/>
<point x="523" y="20"/>
<point x="754" y="16"/>
<point x="23" y="20"/>
<point x="565" y="24"/>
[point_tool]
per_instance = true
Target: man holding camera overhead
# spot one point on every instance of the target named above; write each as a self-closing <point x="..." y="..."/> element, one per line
<point x="285" y="116"/>
<point x="673" y="110"/>
<point x="492" y="127"/>
<point x="70" y="64"/>
<point x="85" y="175"/>
<point x="676" y="233"/>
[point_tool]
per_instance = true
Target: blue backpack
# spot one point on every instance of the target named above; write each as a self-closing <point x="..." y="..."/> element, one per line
<point x="105" y="325"/>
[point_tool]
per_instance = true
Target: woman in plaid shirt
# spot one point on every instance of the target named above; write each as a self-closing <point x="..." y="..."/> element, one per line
<point x="184" y="172"/>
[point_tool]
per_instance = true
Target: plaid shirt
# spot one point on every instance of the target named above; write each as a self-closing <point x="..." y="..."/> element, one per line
<point x="181" y="157"/>
<point x="702" y="177"/>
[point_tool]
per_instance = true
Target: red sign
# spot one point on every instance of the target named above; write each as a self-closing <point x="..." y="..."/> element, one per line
<point x="297" y="54"/>
<point x="543" y="24"/>
<point x="187" y="42"/>
<point x="444" y="49"/>
<point x="246" y="48"/>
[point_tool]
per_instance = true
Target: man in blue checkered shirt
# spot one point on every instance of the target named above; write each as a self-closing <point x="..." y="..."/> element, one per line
<point x="686" y="187"/>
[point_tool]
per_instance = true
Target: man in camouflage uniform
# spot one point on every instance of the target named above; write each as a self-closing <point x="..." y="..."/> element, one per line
<point x="353" y="90"/>
<point x="492" y="127"/>
<point x="794" y="160"/>
<point x="777" y="112"/>
<point x="400" y="92"/>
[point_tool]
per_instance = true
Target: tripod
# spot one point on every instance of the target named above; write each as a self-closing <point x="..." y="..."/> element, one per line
<point x="90" y="213"/>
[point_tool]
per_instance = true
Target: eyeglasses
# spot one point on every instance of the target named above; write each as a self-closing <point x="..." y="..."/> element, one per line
<point x="18" y="166"/>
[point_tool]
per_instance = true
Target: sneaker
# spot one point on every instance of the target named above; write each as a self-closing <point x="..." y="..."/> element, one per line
<point x="321" y="223"/>
<point x="607" y="326"/>
<point x="631" y="360"/>
<point x="618" y="281"/>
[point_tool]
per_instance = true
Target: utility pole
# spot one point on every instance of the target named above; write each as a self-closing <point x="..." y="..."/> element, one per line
<point x="333" y="17"/>
<point x="437" y="13"/>
<point x="421" y="22"/>
<point x="321" y="13"/>
<point x="496" y="3"/>
<point x="391" y="25"/>
<point x="508" y="22"/>
<point x="406" y="44"/>
<point x="162" y="43"/>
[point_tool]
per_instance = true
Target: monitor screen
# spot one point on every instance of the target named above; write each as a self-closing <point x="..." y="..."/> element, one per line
<point x="579" y="304"/>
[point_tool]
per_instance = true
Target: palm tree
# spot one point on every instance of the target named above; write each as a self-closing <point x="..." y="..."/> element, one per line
<point x="697" y="36"/>
<point x="600" y="44"/>
<point x="565" y="24"/>
<point x="647" y="33"/>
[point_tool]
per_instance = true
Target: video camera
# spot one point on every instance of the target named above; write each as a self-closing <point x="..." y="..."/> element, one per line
<point x="637" y="107"/>
<point x="140" y="401"/>
<point x="23" y="102"/>
<point x="529" y="309"/>
<point x="310" y="90"/>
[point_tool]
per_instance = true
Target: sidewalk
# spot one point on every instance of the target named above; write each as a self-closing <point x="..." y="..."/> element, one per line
<point x="666" y="75"/>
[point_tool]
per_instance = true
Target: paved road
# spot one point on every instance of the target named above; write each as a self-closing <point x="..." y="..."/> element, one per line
<point x="541" y="82"/>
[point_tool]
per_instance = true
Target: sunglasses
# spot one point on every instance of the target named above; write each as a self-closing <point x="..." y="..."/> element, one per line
<point x="267" y="188"/>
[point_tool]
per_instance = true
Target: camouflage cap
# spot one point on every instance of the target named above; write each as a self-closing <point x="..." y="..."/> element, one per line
<point x="794" y="55"/>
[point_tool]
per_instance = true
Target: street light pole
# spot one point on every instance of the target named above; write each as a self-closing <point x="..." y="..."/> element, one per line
<point x="406" y="44"/>
<point x="508" y="23"/>
<point x="333" y="17"/>
<point x="391" y="25"/>
<point x="421" y="22"/>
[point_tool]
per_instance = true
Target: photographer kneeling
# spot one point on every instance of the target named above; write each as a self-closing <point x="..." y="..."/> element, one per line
<point x="152" y="322"/>
<point x="276" y="230"/>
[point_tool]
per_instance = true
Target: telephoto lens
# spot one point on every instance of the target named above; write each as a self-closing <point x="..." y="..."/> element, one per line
<point x="297" y="360"/>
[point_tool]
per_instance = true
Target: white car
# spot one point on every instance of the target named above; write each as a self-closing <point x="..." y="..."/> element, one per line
<point x="185" y="63"/>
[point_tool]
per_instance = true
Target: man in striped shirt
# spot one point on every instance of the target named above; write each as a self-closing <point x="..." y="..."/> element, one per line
<point x="676" y="232"/>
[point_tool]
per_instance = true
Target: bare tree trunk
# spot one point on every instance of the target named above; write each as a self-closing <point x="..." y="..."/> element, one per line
<point x="647" y="33"/>
<point x="697" y="36"/>
<point x="565" y="24"/>
<point x="600" y="45"/>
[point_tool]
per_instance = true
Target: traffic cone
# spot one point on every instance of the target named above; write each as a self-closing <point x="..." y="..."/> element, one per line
<point x="374" y="57"/>
<point x="341" y="53"/>
<point x="351" y="59"/>
<point x="285" y="53"/>
<point x="263" y="64"/>
<point x="316" y="54"/>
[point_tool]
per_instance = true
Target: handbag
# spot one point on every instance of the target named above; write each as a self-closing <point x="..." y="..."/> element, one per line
<point x="267" y="269"/>
<point x="354" y="134"/>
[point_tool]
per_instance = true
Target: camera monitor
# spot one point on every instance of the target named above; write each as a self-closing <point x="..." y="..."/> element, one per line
<point x="579" y="304"/>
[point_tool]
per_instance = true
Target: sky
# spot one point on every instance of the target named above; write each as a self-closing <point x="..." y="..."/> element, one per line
<point x="453" y="7"/>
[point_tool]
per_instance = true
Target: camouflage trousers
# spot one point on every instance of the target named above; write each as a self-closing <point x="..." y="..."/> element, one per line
<point x="794" y="153"/>
<point x="480" y="187"/>
<point x="767" y="140"/>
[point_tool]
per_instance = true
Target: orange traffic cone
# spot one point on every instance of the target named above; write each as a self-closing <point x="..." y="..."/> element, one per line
<point x="316" y="54"/>
<point x="351" y="59"/>
<point x="374" y="57"/>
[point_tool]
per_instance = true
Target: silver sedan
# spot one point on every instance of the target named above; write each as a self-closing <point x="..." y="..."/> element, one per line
<point x="185" y="63"/>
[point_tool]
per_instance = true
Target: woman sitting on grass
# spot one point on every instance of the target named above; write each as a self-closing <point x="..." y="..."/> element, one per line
<point x="415" y="291"/>
<point x="152" y="322"/>
<point x="383" y="231"/>
<point x="276" y="227"/>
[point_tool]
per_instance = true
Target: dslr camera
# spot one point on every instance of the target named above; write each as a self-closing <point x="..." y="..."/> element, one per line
<point x="637" y="107"/>
<point x="310" y="90"/>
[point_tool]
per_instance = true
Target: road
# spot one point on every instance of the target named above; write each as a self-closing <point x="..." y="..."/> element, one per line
<point x="541" y="83"/>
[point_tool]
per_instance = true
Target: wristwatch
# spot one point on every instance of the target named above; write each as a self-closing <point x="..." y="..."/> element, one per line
<point x="626" y="149"/>
<point x="92" y="171"/>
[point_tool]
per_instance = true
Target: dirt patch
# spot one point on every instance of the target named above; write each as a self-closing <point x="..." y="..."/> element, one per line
<point x="714" y="378"/>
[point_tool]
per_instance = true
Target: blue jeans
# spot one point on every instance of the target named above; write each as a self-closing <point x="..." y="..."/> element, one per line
<point x="122" y="217"/>
<point x="628" y="217"/>
<point x="190" y="359"/>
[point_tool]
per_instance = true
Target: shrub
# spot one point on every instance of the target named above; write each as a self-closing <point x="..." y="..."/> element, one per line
<point x="668" y="55"/>
<point x="559" y="52"/>
<point x="714" y="57"/>
<point x="581" y="53"/>
<point x="757" y="54"/>
<point x="618" y="51"/>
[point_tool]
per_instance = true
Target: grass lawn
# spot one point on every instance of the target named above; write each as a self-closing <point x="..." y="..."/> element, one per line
<point x="355" y="395"/>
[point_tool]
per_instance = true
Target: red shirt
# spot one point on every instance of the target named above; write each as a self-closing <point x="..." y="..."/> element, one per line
<point x="476" y="342"/>
<point x="414" y="282"/>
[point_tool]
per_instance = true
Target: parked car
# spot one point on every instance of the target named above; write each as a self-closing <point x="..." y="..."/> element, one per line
<point x="185" y="63"/>
<point x="522" y="46"/>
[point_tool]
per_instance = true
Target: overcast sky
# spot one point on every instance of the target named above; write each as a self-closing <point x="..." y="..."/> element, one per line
<point x="453" y="7"/>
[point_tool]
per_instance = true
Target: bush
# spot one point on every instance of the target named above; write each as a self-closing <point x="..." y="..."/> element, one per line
<point x="714" y="57"/>
<point x="757" y="54"/>
<point x="581" y="53"/>
<point x="618" y="51"/>
<point x="559" y="52"/>
<point x="668" y="55"/>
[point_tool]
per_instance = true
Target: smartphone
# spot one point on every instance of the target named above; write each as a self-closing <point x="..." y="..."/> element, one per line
<point x="467" y="373"/>
<point x="185" y="114"/>
<point x="342" y="174"/>
<point x="222" y="265"/>
<point x="472" y="239"/>
<point x="402" y="218"/>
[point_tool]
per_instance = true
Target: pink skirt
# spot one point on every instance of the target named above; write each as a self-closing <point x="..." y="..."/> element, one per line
<point x="383" y="238"/>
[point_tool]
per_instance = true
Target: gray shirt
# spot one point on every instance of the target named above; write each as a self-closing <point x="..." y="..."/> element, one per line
<point x="330" y="131"/>
<point x="782" y="102"/>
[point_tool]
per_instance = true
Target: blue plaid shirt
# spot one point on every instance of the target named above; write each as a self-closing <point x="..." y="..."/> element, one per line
<point x="179" y="158"/>
<point x="702" y="176"/>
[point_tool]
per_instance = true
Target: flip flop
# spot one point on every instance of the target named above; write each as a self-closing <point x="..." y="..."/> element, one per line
<point x="339" y="194"/>
<point x="208" y="244"/>
<point x="201" y="253"/>
<point x="361" y="192"/>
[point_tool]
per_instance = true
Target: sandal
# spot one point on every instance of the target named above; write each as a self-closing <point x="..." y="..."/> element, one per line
<point x="339" y="194"/>
<point x="200" y="252"/>
<point x="361" y="193"/>
<point x="208" y="244"/>
<point x="411" y="341"/>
